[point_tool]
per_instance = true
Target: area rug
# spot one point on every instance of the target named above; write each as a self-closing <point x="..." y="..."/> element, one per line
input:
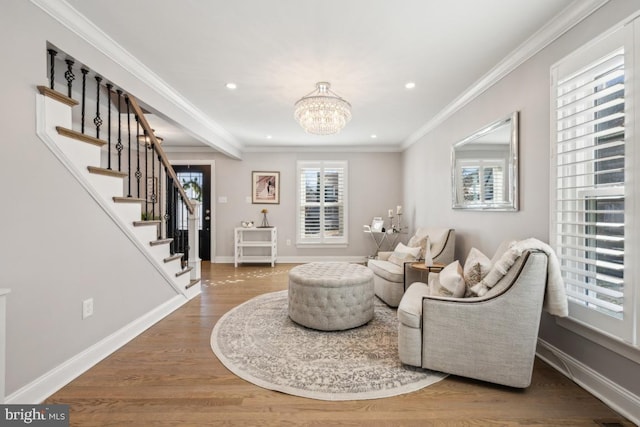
<point x="259" y="343"/>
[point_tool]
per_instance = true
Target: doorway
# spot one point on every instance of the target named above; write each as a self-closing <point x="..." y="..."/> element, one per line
<point x="196" y="181"/>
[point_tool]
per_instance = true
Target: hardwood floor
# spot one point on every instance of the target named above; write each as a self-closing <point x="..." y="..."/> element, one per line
<point x="168" y="376"/>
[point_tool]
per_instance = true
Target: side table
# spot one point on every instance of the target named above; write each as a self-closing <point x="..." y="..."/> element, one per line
<point x="419" y="266"/>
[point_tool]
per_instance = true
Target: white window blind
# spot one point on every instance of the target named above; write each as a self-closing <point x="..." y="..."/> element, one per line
<point x="322" y="202"/>
<point x="589" y="188"/>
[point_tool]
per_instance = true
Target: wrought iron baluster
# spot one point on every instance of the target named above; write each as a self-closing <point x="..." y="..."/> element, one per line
<point x="52" y="67"/>
<point x="160" y="194"/>
<point x="69" y="76"/>
<point x="146" y="174"/>
<point x="119" y="146"/>
<point x="97" y="120"/>
<point x="170" y="215"/>
<point x="126" y="100"/>
<point x="109" y="92"/>
<point x="153" y="183"/>
<point x="84" y="97"/>
<point x="138" y="173"/>
<point x="185" y="234"/>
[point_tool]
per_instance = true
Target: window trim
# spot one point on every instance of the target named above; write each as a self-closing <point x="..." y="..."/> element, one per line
<point x="627" y="343"/>
<point x="323" y="241"/>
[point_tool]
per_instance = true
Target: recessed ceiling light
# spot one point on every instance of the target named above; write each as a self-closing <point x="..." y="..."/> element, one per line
<point x="269" y="137"/>
<point x="231" y="86"/>
<point x="374" y="136"/>
<point x="410" y="85"/>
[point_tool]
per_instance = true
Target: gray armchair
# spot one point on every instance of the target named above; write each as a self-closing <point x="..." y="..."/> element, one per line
<point x="491" y="338"/>
<point x="389" y="278"/>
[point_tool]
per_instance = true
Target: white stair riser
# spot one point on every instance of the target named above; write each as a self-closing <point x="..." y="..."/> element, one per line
<point x="57" y="114"/>
<point x="80" y="153"/>
<point x="183" y="280"/>
<point x="146" y="233"/>
<point x="160" y="252"/>
<point x="129" y="212"/>
<point x="107" y="186"/>
<point x="172" y="267"/>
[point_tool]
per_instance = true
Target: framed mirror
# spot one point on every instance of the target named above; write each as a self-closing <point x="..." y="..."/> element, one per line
<point x="484" y="168"/>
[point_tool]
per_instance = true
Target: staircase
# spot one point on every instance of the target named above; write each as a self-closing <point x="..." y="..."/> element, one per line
<point x="82" y="154"/>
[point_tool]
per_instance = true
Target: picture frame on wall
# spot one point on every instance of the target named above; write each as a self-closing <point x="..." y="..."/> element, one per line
<point x="265" y="187"/>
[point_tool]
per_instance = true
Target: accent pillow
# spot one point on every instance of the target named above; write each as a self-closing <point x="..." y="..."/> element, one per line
<point x="498" y="270"/>
<point x="419" y="242"/>
<point x="450" y="281"/>
<point x="476" y="267"/>
<point x="402" y="254"/>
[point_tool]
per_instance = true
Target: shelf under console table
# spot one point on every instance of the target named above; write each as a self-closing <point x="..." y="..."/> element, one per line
<point x="255" y="245"/>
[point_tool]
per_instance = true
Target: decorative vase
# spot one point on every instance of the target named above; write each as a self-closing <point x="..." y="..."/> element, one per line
<point x="265" y="223"/>
<point x="428" y="259"/>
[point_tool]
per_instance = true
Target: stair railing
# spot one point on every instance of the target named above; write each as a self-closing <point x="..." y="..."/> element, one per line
<point x="137" y="150"/>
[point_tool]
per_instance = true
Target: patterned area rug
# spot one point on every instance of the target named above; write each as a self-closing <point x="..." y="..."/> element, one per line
<point x="258" y="342"/>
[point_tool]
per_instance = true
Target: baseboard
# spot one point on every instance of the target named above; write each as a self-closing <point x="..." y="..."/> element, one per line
<point x="46" y="385"/>
<point x="301" y="259"/>
<point x="617" y="398"/>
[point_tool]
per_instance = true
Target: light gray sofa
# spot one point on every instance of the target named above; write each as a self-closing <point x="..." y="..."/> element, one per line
<point x="389" y="278"/>
<point x="491" y="338"/>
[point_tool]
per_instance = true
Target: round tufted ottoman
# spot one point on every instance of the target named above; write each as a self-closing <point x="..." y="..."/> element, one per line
<point x="331" y="296"/>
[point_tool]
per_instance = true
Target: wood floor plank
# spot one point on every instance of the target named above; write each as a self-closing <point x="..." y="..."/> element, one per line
<point x="168" y="376"/>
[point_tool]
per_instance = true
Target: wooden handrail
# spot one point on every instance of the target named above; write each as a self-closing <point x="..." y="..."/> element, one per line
<point x="156" y="146"/>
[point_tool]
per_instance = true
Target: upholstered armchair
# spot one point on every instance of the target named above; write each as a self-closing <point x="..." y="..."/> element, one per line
<point x="389" y="274"/>
<point x="490" y="337"/>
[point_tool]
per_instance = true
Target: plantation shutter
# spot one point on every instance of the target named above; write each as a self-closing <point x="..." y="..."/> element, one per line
<point x="322" y="196"/>
<point x="590" y="184"/>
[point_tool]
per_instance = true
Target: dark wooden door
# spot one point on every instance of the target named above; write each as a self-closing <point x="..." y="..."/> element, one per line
<point x="196" y="180"/>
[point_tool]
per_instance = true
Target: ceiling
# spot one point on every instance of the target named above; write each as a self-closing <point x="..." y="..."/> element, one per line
<point x="276" y="50"/>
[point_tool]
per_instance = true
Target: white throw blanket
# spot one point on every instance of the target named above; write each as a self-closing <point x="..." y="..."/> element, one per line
<point x="555" y="297"/>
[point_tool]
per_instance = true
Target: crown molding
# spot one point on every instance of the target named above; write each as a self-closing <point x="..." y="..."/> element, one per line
<point x="389" y="148"/>
<point x="573" y="14"/>
<point x="77" y="23"/>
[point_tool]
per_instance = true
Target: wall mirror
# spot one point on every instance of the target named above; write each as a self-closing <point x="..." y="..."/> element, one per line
<point x="484" y="168"/>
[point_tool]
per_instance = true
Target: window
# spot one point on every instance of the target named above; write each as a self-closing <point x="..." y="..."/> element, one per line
<point x="491" y="188"/>
<point x="591" y="188"/>
<point x="322" y="202"/>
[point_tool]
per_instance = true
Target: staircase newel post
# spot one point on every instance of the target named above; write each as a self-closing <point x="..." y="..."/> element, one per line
<point x="194" y="244"/>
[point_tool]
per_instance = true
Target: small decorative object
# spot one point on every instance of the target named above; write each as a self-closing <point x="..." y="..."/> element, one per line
<point x="247" y="224"/>
<point x="265" y="222"/>
<point x="265" y="187"/>
<point x="377" y="224"/>
<point x="396" y="228"/>
<point x="428" y="259"/>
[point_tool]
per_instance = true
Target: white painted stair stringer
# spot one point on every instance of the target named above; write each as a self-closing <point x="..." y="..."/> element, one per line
<point x="51" y="113"/>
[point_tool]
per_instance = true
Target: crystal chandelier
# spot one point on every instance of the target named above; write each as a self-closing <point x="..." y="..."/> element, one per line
<point x="322" y="112"/>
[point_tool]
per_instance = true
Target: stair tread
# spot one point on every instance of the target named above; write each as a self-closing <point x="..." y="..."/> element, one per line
<point x="70" y="133"/>
<point x="107" y="172"/>
<point x="146" y="222"/>
<point x="192" y="282"/>
<point x="58" y="96"/>
<point x="160" y="242"/>
<point x="128" y="200"/>
<point x="173" y="257"/>
<point x="184" y="271"/>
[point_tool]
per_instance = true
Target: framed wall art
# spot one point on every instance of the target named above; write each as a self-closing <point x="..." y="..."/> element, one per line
<point x="265" y="187"/>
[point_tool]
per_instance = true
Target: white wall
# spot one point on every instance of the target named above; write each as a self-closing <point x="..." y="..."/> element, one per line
<point x="374" y="188"/>
<point x="57" y="245"/>
<point x="526" y="90"/>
